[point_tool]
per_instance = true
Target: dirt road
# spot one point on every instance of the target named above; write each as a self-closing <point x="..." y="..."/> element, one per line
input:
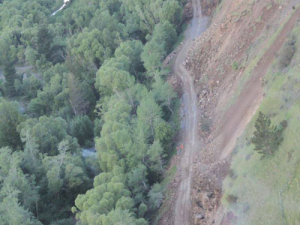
<point x="190" y="121"/>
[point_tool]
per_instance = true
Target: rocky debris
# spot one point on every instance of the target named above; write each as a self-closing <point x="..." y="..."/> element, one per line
<point x="169" y="58"/>
<point x="217" y="60"/>
<point x="218" y="57"/>
<point x="207" y="191"/>
<point x="208" y="6"/>
<point x="188" y="11"/>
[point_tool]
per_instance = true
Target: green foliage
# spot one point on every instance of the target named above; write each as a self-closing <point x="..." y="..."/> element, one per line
<point x="287" y="53"/>
<point x="121" y="217"/>
<point x="163" y="38"/>
<point x="232" y="199"/>
<point x="109" y="193"/>
<point x="92" y="47"/>
<point x="235" y="65"/>
<point x="44" y="41"/>
<point x="7" y="61"/>
<point x="113" y="77"/>
<point x="81" y="127"/>
<point x="164" y="133"/>
<point x="155" y="196"/>
<point x="12" y="212"/>
<point x="132" y="50"/>
<point x="28" y="87"/>
<point x="266" y="138"/>
<point x="142" y="210"/>
<point x="137" y="182"/>
<point x="80" y="95"/>
<point x="10" y="118"/>
<point x="149" y="115"/>
<point x="53" y="97"/>
<point x="93" y="68"/>
<point x="48" y="132"/>
<point x="15" y="186"/>
<point x="64" y="171"/>
<point x="172" y="12"/>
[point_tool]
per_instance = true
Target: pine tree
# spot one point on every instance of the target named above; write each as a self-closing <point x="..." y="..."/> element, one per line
<point x="10" y="76"/>
<point x="267" y="137"/>
<point x="44" y="41"/>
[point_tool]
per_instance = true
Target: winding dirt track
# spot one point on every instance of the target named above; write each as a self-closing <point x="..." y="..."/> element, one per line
<point x="190" y="134"/>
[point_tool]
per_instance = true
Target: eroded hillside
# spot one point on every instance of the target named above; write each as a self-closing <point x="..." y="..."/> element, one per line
<point x="229" y="63"/>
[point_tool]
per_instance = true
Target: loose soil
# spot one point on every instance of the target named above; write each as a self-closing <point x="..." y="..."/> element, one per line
<point x="211" y="123"/>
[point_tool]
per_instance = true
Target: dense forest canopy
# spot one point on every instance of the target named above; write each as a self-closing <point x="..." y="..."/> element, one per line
<point x="89" y="76"/>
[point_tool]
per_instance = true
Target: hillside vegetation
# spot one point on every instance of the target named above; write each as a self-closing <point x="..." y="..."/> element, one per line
<point x="266" y="191"/>
<point x="90" y="76"/>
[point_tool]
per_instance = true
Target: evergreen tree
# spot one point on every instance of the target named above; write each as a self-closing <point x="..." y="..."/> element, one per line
<point x="10" y="76"/>
<point x="10" y="118"/>
<point x="44" y="41"/>
<point x="7" y="61"/>
<point x="267" y="137"/>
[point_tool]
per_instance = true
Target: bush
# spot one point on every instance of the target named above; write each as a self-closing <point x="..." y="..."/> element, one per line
<point x="232" y="199"/>
<point x="235" y="65"/>
<point x="287" y="53"/>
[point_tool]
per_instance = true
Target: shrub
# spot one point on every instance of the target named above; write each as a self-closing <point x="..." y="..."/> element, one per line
<point x="206" y="125"/>
<point x="287" y="53"/>
<point x="232" y="199"/>
<point x="235" y="65"/>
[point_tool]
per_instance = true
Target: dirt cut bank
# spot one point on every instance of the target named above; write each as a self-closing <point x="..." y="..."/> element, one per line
<point x="221" y="73"/>
<point x="228" y="63"/>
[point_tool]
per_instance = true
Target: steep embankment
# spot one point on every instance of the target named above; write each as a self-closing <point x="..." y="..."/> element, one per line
<point x="228" y="63"/>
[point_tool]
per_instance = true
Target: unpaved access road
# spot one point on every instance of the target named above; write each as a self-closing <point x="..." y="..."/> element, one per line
<point x="190" y="134"/>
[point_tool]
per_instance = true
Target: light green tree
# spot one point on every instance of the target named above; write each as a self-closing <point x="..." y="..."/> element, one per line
<point x="12" y="212"/>
<point x="65" y="171"/>
<point x="13" y="178"/>
<point x="148" y="115"/>
<point x="48" y="133"/>
<point x="113" y="77"/>
<point x="109" y="193"/>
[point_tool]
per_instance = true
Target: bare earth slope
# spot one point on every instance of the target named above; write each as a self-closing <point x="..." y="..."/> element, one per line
<point x="227" y="64"/>
<point x="221" y="72"/>
<point x="241" y="112"/>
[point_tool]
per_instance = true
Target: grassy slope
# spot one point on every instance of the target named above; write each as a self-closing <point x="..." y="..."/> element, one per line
<point x="268" y="190"/>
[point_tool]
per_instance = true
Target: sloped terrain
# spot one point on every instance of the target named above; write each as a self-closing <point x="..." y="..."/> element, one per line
<point x="228" y="63"/>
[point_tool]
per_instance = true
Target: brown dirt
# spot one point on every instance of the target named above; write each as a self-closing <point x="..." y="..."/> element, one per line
<point x="236" y="35"/>
<point x="208" y="6"/>
<point x="241" y="112"/>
